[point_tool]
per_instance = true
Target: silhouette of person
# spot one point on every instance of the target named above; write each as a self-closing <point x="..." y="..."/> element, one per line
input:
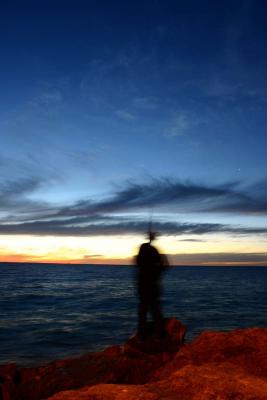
<point x="150" y="266"/>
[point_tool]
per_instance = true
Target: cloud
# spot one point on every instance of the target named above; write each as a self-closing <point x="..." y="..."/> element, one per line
<point x="48" y="102"/>
<point x="178" y="127"/>
<point x="99" y="225"/>
<point x="167" y="193"/>
<point x="13" y="194"/>
<point x="163" y="194"/>
<point x="229" y="91"/>
<point x="126" y="115"/>
<point x="21" y="258"/>
<point x="89" y="256"/>
<point x="87" y="217"/>
<point x="191" y="240"/>
<point x="250" y="201"/>
<point x="218" y="87"/>
<point x="16" y="204"/>
<point x="51" y="97"/>
<point x="219" y="259"/>
<point x="148" y="103"/>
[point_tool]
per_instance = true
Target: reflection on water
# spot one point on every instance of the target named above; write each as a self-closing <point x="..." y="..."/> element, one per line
<point x="49" y="312"/>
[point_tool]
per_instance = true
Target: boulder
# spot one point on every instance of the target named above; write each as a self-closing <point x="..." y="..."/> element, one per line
<point x="205" y="382"/>
<point x="167" y="345"/>
<point x="9" y="380"/>
<point x="131" y="363"/>
<point x="243" y="348"/>
<point x="215" y="366"/>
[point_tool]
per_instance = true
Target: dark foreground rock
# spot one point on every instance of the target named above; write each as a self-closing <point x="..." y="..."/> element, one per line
<point x="215" y="366"/>
<point x="133" y="363"/>
<point x="207" y="382"/>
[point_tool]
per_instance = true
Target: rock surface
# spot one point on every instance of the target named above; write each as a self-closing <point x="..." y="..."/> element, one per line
<point x="132" y="363"/>
<point x="242" y="348"/>
<point x="215" y="366"/>
<point x="207" y="382"/>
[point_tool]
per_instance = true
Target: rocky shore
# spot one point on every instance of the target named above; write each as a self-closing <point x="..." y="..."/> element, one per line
<point x="215" y="366"/>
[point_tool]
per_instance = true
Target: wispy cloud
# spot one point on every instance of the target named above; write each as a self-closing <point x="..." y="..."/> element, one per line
<point x="146" y="103"/>
<point x="16" y="202"/>
<point x="178" y="127"/>
<point x="180" y="196"/>
<point x="88" y="217"/>
<point x="13" y="194"/>
<point x="51" y="97"/>
<point x="223" y="258"/>
<point x="164" y="192"/>
<point x="182" y="123"/>
<point x="120" y="227"/>
<point x="126" y="115"/>
<point x="191" y="240"/>
<point x="89" y="256"/>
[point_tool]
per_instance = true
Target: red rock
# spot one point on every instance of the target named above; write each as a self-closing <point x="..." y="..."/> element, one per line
<point x="166" y="346"/>
<point x="207" y="382"/>
<point x="9" y="379"/>
<point x="215" y="366"/>
<point x="116" y="364"/>
<point x="245" y="348"/>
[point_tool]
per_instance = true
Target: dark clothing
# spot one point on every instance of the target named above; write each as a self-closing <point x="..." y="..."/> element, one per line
<point x="150" y="266"/>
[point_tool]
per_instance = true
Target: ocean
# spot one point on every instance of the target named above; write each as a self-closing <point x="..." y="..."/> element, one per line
<point x="52" y="311"/>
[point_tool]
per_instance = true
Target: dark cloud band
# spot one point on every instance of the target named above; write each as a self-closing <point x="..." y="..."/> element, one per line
<point x="87" y="217"/>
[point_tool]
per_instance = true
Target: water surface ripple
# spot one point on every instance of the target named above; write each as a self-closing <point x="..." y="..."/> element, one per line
<point x="55" y="311"/>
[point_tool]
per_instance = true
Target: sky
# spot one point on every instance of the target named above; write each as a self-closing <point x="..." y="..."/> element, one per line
<point x="113" y="113"/>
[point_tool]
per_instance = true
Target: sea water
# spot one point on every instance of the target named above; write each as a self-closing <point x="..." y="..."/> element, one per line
<point x="50" y="311"/>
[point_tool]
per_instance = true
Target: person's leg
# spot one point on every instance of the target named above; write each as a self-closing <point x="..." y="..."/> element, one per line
<point x="157" y="316"/>
<point x="142" y="316"/>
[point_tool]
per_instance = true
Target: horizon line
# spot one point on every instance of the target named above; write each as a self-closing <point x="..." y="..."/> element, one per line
<point x="133" y="265"/>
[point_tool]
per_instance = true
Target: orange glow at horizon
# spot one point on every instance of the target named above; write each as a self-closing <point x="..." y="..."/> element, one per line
<point x="122" y="249"/>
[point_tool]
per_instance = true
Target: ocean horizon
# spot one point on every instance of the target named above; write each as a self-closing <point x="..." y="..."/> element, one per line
<point x="50" y="311"/>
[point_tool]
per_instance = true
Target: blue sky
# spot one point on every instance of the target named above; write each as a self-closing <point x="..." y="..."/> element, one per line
<point x="112" y="110"/>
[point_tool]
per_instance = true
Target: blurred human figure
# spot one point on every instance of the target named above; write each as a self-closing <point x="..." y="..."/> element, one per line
<point x="150" y="266"/>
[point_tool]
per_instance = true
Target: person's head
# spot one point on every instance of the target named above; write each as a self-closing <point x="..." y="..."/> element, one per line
<point x="151" y="236"/>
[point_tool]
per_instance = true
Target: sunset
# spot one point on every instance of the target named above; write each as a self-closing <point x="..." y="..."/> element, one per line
<point x="133" y="199"/>
<point x="217" y="249"/>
